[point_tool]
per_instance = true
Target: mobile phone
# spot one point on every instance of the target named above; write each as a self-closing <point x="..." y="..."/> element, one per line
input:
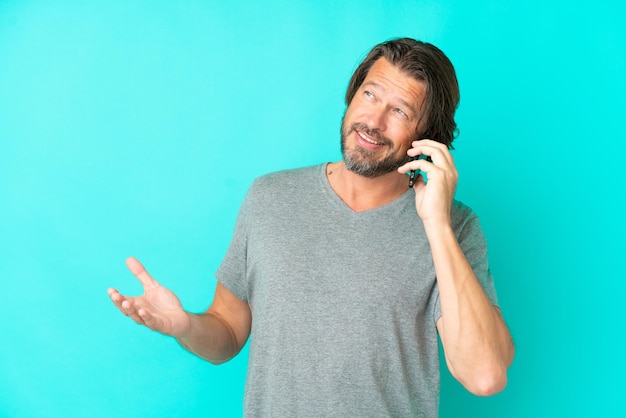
<point x="413" y="173"/>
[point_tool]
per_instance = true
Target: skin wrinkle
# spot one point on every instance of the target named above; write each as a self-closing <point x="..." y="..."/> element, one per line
<point x="378" y="96"/>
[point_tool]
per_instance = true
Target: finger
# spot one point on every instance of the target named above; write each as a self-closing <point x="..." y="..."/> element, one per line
<point x="116" y="297"/>
<point x="140" y="272"/>
<point x="148" y="320"/>
<point x="126" y="306"/>
<point x="440" y="157"/>
<point x="423" y="165"/>
<point x="436" y="150"/>
<point x="420" y="183"/>
<point x="430" y="143"/>
<point x="129" y="309"/>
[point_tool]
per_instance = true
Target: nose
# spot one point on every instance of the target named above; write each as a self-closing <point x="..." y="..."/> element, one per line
<point x="377" y="118"/>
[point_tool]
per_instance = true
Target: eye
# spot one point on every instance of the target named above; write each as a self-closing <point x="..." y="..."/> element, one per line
<point x="401" y="112"/>
<point x="368" y="93"/>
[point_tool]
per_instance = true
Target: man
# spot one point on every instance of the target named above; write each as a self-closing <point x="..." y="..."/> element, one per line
<point x="343" y="277"/>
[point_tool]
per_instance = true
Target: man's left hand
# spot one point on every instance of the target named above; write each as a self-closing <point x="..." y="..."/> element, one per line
<point x="433" y="200"/>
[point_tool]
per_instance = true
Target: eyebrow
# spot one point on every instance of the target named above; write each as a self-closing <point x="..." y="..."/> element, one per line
<point x="400" y="99"/>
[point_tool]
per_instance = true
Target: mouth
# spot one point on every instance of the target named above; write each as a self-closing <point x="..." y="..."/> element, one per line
<point x="369" y="139"/>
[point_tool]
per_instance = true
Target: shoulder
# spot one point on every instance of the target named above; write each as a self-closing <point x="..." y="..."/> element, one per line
<point x="283" y="187"/>
<point x="460" y="210"/>
<point x="286" y="179"/>
<point x="463" y="217"/>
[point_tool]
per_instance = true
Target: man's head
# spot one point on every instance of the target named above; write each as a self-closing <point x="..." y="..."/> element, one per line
<point x="401" y="76"/>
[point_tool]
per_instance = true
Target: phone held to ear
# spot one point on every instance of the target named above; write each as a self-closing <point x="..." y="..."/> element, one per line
<point x="413" y="173"/>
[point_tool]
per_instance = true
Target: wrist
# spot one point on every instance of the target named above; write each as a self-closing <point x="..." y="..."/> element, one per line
<point x="437" y="226"/>
<point x="186" y="326"/>
<point x="440" y="234"/>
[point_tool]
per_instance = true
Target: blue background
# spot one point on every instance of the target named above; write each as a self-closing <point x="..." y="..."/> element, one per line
<point x="135" y="128"/>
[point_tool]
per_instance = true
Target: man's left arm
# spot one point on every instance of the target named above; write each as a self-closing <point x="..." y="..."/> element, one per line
<point x="477" y="344"/>
<point x="476" y="341"/>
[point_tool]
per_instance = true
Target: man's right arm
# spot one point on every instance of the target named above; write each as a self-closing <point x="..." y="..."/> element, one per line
<point x="219" y="334"/>
<point x="216" y="335"/>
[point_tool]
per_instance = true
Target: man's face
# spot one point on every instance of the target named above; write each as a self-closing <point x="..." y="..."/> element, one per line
<point x="381" y="121"/>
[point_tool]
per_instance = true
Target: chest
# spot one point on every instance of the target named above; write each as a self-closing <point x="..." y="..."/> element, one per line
<point x="340" y="264"/>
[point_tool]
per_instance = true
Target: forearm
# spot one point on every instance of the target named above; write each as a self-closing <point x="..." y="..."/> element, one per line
<point x="210" y="337"/>
<point x="477" y="343"/>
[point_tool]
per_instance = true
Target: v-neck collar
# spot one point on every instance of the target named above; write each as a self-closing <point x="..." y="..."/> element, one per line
<point x="400" y="201"/>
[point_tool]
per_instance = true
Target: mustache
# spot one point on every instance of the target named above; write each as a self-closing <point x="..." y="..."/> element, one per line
<point x="371" y="132"/>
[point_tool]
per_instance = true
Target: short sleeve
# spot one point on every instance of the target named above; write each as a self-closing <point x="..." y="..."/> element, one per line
<point x="232" y="272"/>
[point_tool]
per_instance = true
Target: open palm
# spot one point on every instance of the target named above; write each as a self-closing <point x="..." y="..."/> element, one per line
<point x="158" y="308"/>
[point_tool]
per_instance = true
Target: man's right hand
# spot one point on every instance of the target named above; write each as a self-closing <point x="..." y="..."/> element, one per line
<point x="158" y="308"/>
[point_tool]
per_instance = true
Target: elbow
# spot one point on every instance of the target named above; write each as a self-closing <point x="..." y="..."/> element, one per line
<point x="217" y="361"/>
<point x="488" y="383"/>
<point x="222" y="356"/>
<point x="491" y="378"/>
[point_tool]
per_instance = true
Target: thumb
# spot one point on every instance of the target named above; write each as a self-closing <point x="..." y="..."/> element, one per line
<point x="140" y="272"/>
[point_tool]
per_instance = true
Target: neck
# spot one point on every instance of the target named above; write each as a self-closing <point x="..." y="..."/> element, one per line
<point x="364" y="193"/>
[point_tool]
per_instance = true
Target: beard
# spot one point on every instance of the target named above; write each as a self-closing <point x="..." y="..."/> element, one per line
<point x="364" y="162"/>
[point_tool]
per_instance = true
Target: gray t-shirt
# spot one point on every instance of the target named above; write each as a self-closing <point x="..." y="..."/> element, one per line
<point x="343" y="303"/>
